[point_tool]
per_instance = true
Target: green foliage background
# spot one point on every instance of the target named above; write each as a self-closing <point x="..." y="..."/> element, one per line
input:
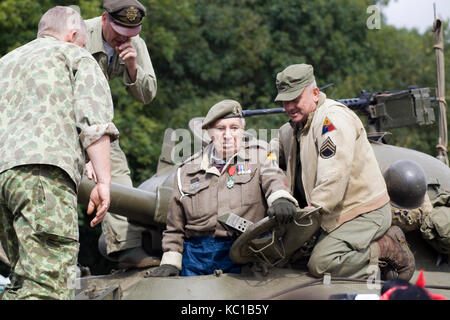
<point x="204" y="51"/>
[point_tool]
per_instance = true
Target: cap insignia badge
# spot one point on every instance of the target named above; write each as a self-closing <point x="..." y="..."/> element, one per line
<point x="132" y="13"/>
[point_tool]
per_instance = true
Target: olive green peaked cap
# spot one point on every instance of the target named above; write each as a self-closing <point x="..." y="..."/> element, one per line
<point x="122" y="8"/>
<point x="125" y="16"/>
<point x="293" y="80"/>
<point x="222" y="109"/>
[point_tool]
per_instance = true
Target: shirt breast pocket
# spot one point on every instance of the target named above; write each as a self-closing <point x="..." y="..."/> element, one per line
<point x="199" y="200"/>
<point x="247" y="189"/>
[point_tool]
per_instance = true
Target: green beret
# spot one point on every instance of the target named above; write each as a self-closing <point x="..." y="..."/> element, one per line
<point x="293" y="80"/>
<point x="221" y="110"/>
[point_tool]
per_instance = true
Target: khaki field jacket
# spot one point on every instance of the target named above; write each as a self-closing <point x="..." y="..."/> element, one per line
<point x="144" y="88"/>
<point x="201" y="195"/>
<point x="339" y="170"/>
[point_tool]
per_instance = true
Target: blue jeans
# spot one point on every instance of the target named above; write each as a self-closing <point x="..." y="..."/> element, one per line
<point x="203" y="255"/>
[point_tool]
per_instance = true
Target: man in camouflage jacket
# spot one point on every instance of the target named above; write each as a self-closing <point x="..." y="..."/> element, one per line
<point x="55" y="103"/>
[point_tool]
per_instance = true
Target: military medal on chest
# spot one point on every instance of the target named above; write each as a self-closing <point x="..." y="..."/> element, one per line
<point x="243" y="169"/>
<point x="231" y="172"/>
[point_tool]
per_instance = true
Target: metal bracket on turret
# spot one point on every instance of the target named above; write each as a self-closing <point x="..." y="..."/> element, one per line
<point x="234" y="221"/>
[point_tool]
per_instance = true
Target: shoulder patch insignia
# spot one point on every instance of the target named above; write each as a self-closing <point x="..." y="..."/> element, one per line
<point x="271" y="156"/>
<point x="328" y="149"/>
<point x="327" y="126"/>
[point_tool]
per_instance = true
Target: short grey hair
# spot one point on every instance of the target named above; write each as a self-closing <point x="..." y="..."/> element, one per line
<point x="59" y="20"/>
<point x="312" y="85"/>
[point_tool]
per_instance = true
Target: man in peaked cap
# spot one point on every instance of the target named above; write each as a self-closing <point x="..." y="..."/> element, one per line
<point x="113" y="39"/>
<point x="330" y="164"/>
<point x="227" y="176"/>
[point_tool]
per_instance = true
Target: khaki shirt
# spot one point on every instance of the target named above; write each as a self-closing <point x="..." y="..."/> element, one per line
<point x="54" y="102"/>
<point x="339" y="170"/>
<point x="144" y="88"/>
<point x="207" y="197"/>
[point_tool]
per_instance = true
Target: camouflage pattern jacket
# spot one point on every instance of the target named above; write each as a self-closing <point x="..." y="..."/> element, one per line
<point x="202" y="194"/>
<point x="54" y="102"/>
<point x="339" y="170"/>
<point x="144" y="88"/>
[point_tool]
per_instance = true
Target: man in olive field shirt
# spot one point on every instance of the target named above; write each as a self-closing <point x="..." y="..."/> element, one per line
<point x="113" y="39"/>
<point x="330" y="164"/>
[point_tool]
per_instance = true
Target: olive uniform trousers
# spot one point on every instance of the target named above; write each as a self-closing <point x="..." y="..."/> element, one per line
<point x="346" y="251"/>
<point x="119" y="233"/>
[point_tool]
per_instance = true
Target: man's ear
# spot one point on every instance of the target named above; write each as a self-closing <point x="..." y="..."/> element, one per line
<point x="104" y="17"/>
<point x="316" y="93"/>
<point x="210" y="133"/>
<point x="71" y="36"/>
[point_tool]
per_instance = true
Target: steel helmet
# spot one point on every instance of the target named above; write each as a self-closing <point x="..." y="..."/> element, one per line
<point x="406" y="184"/>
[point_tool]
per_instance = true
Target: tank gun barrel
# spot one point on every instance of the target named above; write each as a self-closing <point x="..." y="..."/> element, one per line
<point x="258" y="112"/>
<point x="133" y="203"/>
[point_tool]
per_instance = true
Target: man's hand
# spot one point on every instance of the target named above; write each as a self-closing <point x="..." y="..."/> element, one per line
<point x="164" y="270"/>
<point x="100" y="200"/>
<point x="128" y="54"/>
<point x="90" y="172"/>
<point x="283" y="210"/>
<point x="99" y="153"/>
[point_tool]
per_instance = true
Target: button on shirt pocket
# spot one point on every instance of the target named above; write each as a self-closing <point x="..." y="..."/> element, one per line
<point x="201" y="198"/>
<point x="246" y="190"/>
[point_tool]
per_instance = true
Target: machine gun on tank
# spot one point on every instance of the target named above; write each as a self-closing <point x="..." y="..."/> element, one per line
<point x="384" y="109"/>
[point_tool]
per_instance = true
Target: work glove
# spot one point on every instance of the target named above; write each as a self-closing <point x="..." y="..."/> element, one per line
<point x="164" y="270"/>
<point x="283" y="210"/>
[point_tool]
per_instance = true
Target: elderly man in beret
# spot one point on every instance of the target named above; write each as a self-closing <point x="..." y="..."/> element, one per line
<point x="330" y="164"/>
<point x="113" y="39"/>
<point x="230" y="175"/>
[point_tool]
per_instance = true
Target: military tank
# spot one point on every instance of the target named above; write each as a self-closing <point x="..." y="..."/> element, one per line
<point x="271" y="276"/>
<point x="275" y="260"/>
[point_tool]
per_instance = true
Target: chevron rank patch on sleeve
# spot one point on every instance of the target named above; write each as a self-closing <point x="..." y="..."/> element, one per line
<point x="328" y="149"/>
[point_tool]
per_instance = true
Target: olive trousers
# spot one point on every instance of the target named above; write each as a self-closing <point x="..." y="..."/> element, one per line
<point x="346" y="251"/>
<point x="119" y="233"/>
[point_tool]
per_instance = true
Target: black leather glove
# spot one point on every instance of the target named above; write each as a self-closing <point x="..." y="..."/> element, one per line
<point x="164" y="270"/>
<point x="283" y="210"/>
